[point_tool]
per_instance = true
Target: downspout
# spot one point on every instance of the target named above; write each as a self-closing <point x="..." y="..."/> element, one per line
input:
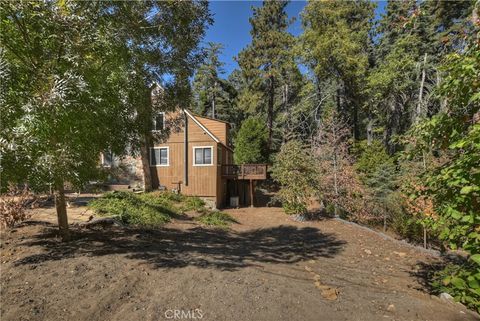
<point x="185" y="151"/>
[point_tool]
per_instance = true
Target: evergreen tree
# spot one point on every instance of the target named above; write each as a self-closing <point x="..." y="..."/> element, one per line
<point x="335" y="45"/>
<point x="212" y="97"/>
<point x="251" y="142"/>
<point x="266" y="62"/>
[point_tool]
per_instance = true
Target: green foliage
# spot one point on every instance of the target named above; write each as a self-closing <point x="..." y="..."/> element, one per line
<point x="145" y="210"/>
<point x="371" y="157"/>
<point x="267" y="63"/>
<point x="461" y="281"/>
<point x="251" y="142"/>
<point x="193" y="203"/>
<point x="216" y="218"/>
<point x="296" y="172"/>
<point x="335" y="45"/>
<point x="209" y="89"/>
<point x="454" y="185"/>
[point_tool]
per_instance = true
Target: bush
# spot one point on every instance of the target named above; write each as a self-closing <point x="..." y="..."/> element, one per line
<point x="216" y="218"/>
<point x="460" y="281"/>
<point x="13" y="207"/>
<point x="296" y="172"/>
<point x="194" y="203"/>
<point x="146" y="209"/>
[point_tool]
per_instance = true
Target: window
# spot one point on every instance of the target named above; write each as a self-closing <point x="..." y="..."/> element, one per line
<point x="107" y="159"/>
<point x="203" y="156"/>
<point x="158" y="122"/>
<point x="159" y="156"/>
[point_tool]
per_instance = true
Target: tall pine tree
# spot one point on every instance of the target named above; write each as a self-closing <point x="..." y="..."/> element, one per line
<point x="266" y="61"/>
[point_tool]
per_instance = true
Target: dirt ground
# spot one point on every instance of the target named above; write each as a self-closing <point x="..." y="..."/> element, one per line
<point x="266" y="267"/>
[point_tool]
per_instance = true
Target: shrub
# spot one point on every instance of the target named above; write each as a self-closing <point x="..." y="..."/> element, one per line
<point x="460" y="281"/>
<point x="145" y="209"/>
<point x="371" y="157"/>
<point x="194" y="203"/>
<point x="13" y="207"/>
<point x="296" y="172"/>
<point x="216" y="218"/>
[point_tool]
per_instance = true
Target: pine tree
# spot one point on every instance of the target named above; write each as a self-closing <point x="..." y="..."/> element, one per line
<point x="211" y="94"/>
<point x="266" y="61"/>
<point x="335" y="46"/>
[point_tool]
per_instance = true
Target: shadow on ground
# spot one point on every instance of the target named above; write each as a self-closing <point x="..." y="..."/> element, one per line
<point x="201" y="247"/>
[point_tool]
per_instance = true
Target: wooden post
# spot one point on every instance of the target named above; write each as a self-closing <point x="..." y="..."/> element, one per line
<point x="251" y="193"/>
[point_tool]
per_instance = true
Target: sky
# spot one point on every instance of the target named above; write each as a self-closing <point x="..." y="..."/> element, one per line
<point x="232" y="28"/>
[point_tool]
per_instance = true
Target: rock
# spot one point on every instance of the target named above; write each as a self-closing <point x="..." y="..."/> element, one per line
<point x="330" y="294"/>
<point x="391" y="308"/>
<point x="401" y="254"/>
<point x="368" y="252"/>
<point x="446" y="297"/>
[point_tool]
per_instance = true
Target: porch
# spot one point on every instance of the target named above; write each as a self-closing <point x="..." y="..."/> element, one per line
<point x="241" y="181"/>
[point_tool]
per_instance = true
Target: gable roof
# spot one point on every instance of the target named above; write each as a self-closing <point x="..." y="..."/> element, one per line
<point x="204" y="128"/>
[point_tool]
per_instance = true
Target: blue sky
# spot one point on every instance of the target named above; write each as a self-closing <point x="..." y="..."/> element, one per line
<point x="232" y="28"/>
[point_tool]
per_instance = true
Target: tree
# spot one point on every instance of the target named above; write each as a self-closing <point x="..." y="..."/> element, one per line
<point x="210" y="91"/>
<point x="454" y="184"/>
<point x="74" y="76"/>
<point x="335" y="46"/>
<point x="266" y="61"/>
<point x="295" y="170"/>
<point x="339" y="185"/>
<point x="160" y="48"/>
<point x="251" y="142"/>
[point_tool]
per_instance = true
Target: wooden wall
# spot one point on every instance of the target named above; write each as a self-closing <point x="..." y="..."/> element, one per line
<point x="218" y="128"/>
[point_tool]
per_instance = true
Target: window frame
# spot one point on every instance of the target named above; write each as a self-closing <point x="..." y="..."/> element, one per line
<point x="152" y="149"/>
<point x="203" y="147"/>
<point x="154" y="122"/>
<point x="112" y="159"/>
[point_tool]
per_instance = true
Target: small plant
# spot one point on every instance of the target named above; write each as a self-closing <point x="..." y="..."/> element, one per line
<point x="145" y="209"/>
<point x="460" y="281"/>
<point x="194" y="203"/>
<point x="216" y="218"/>
<point x="13" y="207"/>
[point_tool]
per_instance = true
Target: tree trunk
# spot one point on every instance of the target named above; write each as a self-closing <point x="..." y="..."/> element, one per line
<point x="369" y="130"/>
<point x="145" y="156"/>
<point x="335" y="168"/>
<point x="271" y="102"/>
<point x="419" y="112"/>
<point x="61" y="208"/>
<point x="213" y="100"/>
<point x="356" y="128"/>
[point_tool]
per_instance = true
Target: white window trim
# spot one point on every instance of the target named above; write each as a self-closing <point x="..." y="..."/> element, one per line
<point x="168" y="156"/>
<point x="103" y="161"/>
<point x="154" y="121"/>
<point x="211" y="153"/>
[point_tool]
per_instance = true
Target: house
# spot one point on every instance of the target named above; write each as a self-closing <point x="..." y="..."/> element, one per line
<point x="195" y="158"/>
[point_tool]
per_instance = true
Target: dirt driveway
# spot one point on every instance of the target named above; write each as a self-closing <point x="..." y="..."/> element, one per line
<point x="264" y="268"/>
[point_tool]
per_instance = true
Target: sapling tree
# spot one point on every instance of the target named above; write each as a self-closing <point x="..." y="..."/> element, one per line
<point x="339" y="184"/>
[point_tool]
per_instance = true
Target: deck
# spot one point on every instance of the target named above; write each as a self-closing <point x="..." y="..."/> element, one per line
<point x="245" y="171"/>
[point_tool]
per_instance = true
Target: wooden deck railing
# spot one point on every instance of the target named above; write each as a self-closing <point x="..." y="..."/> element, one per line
<point x="245" y="171"/>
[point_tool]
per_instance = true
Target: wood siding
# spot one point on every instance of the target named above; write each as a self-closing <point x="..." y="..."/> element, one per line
<point x="203" y="181"/>
<point x="218" y="128"/>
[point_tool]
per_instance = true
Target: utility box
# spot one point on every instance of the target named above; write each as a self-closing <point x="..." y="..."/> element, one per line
<point x="234" y="201"/>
